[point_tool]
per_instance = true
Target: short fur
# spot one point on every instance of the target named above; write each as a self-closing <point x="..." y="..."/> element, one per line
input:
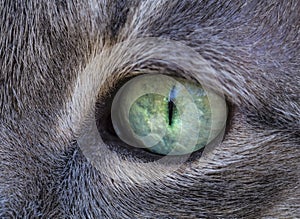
<point x="58" y="57"/>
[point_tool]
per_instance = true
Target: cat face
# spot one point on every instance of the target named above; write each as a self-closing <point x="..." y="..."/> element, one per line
<point x="61" y="59"/>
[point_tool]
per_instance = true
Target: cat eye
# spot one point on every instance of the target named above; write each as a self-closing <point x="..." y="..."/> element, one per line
<point x="167" y="115"/>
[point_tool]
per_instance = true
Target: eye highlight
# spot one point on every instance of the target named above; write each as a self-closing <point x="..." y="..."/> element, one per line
<point x="167" y="115"/>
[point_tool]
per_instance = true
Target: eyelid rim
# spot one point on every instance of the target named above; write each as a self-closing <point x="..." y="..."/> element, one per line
<point x="214" y="137"/>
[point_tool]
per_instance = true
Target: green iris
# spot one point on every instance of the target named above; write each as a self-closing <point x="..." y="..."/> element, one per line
<point x="167" y="115"/>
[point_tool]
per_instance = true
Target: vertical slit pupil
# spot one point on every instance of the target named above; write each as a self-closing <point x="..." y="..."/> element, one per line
<point x="172" y="96"/>
<point x="170" y="110"/>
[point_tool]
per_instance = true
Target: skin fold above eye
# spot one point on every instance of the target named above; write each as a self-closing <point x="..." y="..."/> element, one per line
<point x="166" y="115"/>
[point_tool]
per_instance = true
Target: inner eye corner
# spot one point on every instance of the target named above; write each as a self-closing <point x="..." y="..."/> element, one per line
<point x="231" y="108"/>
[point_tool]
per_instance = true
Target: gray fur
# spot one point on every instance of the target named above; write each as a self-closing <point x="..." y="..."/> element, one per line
<point x="57" y="58"/>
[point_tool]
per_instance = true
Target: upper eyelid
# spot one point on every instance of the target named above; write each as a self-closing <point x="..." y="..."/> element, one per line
<point x="185" y="62"/>
<point x="118" y="60"/>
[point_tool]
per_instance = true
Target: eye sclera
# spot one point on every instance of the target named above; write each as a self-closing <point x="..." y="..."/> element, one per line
<point x="189" y="133"/>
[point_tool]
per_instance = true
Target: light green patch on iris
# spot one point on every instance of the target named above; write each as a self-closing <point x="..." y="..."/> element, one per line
<point x="142" y="116"/>
<point x="151" y="105"/>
